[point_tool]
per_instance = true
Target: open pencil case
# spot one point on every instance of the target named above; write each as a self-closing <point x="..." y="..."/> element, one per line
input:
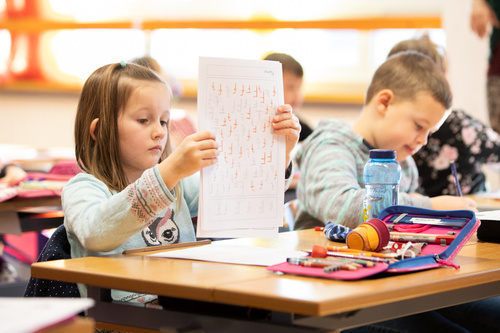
<point x="461" y="223"/>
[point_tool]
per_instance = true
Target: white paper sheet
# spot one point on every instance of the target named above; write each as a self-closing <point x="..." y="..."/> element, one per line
<point x="243" y="194"/>
<point x="24" y="315"/>
<point x="233" y="254"/>
<point x="492" y="215"/>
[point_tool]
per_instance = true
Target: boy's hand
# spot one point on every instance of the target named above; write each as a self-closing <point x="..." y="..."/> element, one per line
<point x="195" y="152"/>
<point x="286" y="123"/>
<point x="448" y="202"/>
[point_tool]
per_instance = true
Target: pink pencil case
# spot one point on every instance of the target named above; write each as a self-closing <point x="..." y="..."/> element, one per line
<point x="463" y="223"/>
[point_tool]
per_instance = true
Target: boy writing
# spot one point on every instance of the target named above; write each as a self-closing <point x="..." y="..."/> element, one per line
<point x="406" y="100"/>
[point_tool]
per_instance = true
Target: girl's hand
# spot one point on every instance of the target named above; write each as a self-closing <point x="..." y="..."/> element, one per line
<point x="286" y="123"/>
<point x="195" y="152"/>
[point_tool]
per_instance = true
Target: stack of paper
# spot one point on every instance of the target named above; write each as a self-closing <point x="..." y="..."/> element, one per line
<point x="23" y="315"/>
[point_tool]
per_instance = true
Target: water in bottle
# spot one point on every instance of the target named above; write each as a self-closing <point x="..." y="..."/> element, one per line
<point x="381" y="177"/>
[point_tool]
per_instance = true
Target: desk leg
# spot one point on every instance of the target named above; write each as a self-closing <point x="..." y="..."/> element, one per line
<point x="131" y="315"/>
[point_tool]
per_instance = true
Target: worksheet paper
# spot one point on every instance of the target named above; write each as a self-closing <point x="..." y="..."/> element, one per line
<point x="243" y="194"/>
<point x="233" y="254"/>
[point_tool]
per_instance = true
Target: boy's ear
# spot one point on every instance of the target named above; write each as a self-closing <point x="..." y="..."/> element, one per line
<point x="93" y="129"/>
<point x="384" y="98"/>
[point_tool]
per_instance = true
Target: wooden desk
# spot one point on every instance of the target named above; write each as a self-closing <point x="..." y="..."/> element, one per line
<point x="297" y="304"/>
<point x="16" y="204"/>
<point x="14" y="221"/>
<point x="485" y="203"/>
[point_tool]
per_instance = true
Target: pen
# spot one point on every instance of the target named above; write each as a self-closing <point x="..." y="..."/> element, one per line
<point x="362" y="257"/>
<point x="167" y="246"/>
<point x="457" y="183"/>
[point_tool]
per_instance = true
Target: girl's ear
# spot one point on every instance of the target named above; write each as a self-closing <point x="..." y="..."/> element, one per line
<point x="384" y="98"/>
<point x="93" y="129"/>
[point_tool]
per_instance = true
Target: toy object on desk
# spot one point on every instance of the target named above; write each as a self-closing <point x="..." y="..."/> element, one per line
<point x="372" y="235"/>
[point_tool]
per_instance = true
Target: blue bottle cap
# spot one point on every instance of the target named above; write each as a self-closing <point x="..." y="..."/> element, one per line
<point x="383" y="153"/>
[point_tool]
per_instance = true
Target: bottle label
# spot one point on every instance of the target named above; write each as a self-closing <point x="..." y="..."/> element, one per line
<point x="378" y="197"/>
<point x="367" y="213"/>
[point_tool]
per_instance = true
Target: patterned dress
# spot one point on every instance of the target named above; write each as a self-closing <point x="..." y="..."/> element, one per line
<point x="464" y="140"/>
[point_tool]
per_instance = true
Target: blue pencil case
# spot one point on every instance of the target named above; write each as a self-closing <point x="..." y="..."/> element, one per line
<point x="461" y="223"/>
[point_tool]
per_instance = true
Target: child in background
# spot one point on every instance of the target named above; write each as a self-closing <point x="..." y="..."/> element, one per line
<point x="406" y="100"/>
<point x="11" y="174"/>
<point x="292" y="87"/>
<point x="461" y="138"/>
<point x="174" y="84"/>
<point x="135" y="191"/>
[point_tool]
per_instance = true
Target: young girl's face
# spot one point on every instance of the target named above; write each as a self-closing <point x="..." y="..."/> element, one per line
<point x="142" y="128"/>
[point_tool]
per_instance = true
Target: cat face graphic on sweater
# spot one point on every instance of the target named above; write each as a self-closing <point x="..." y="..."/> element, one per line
<point x="162" y="231"/>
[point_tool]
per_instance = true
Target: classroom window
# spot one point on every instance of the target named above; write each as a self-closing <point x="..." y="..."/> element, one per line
<point x="4" y="50"/>
<point x="77" y="53"/>
<point x="383" y="40"/>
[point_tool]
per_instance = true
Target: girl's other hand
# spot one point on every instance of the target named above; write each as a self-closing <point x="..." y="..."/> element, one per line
<point x="286" y="123"/>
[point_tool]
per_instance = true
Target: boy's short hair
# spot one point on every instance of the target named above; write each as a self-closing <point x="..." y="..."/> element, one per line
<point x="288" y="63"/>
<point x="409" y="74"/>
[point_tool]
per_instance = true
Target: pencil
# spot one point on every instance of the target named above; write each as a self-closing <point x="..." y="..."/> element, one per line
<point x="457" y="183"/>
<point x="167" y="246"/>
<point x="359" y="252"/>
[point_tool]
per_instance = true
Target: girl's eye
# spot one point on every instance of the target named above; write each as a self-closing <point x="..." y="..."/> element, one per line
<point x="419" y="127"/>
<point x="163" y="123"/>
<point x="142" y="121"/>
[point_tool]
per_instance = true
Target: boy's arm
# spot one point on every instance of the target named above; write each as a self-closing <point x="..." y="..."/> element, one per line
<point x="329" y="185"/>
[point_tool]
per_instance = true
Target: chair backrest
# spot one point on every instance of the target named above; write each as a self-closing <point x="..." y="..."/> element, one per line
<point x="290" y="214"/>
<point x="57" y="247"/>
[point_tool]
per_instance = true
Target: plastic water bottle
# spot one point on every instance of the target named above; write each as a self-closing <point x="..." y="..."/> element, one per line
<point x="381" y="177"/>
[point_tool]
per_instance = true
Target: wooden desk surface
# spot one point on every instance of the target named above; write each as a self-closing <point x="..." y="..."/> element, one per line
<point x="16" y="204"/>
<point x="256" y="287"/>
<point x="485" y="203"/>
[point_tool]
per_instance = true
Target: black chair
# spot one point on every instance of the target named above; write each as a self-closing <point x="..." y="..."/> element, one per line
<point x="57" y="247"/>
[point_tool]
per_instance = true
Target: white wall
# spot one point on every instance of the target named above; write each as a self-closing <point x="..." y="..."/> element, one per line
<point x="468" y="59"/>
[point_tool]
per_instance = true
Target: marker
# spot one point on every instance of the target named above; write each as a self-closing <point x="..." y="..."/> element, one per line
<point x="362" y="257"/>
<point x="435" y="239"/>
<point x="359" y="252"/>
<point x="361" y="262"/>
<point x="311" y="262"/>
<point x="319" y="228"/>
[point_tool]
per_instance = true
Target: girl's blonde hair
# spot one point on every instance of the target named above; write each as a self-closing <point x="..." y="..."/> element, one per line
<point x="104" y="94"/>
